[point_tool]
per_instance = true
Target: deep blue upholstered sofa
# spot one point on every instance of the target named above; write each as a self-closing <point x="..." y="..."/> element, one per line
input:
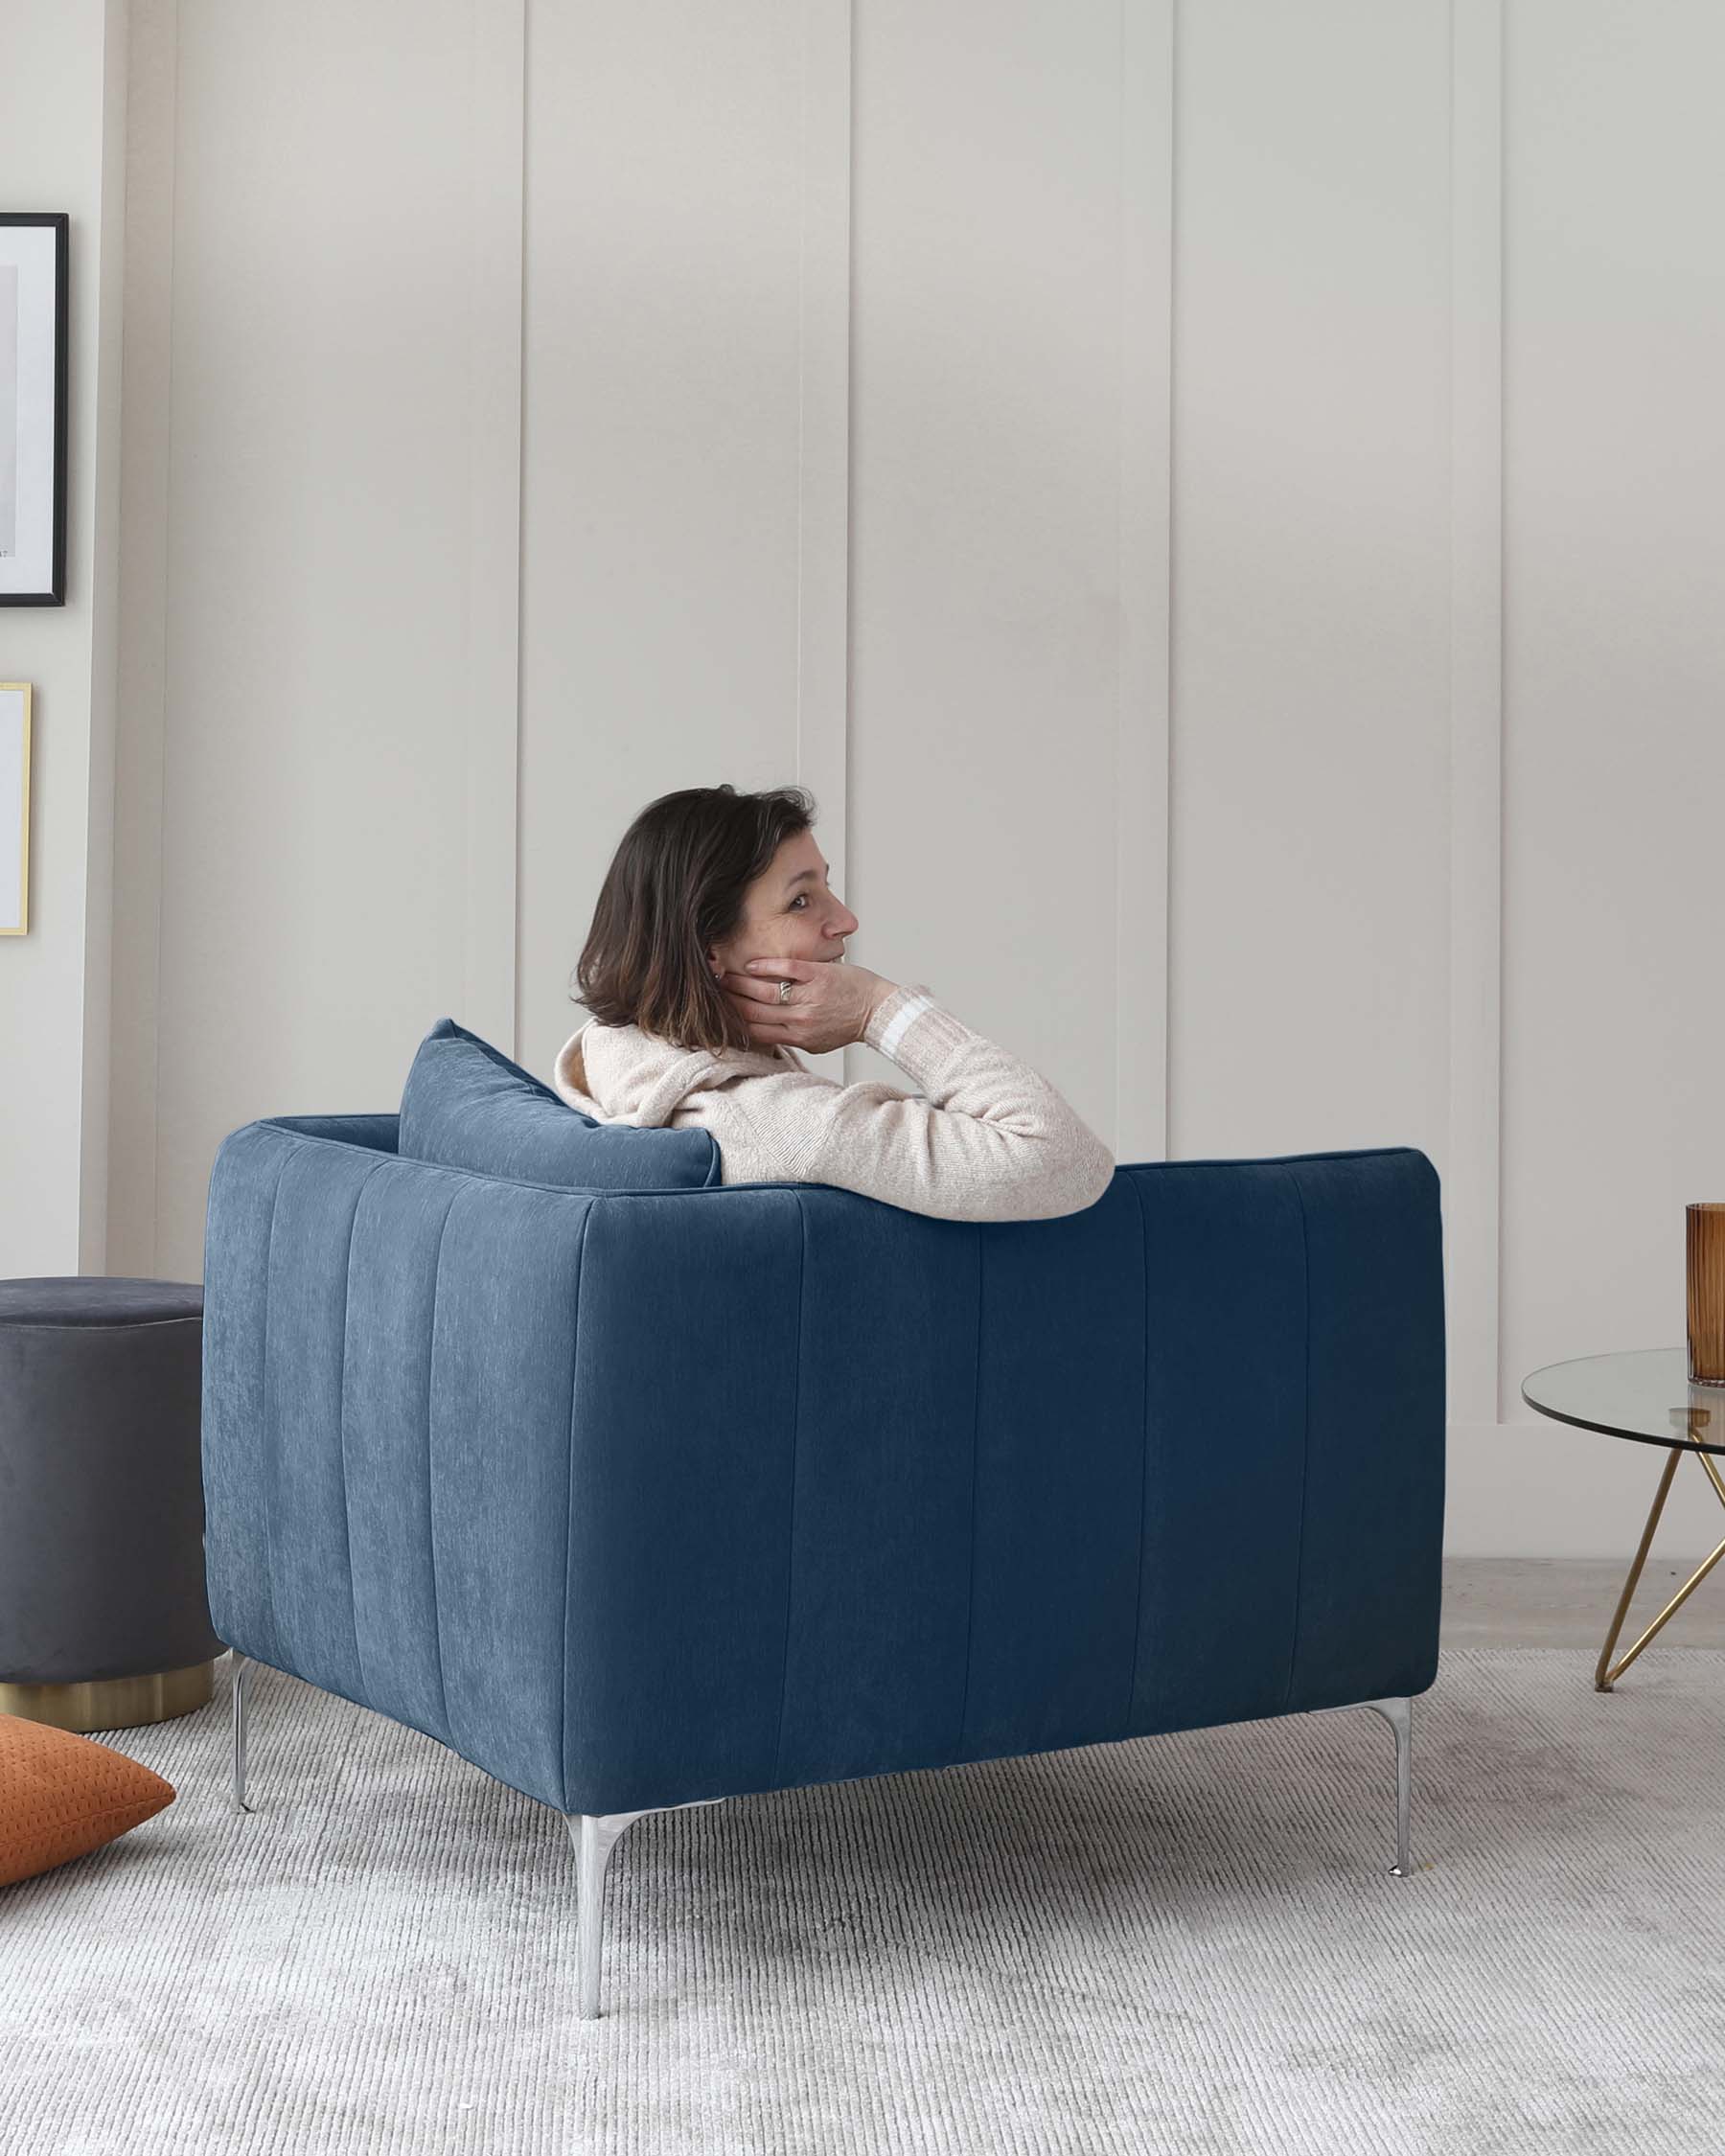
<point x="649" y="1497"/>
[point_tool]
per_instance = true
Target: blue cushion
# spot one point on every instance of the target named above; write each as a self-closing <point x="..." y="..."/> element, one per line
<point x="466" y="1105"/>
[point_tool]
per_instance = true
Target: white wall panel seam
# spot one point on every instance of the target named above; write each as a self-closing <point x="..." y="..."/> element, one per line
<point x="494" y="644"/>
<point x="1472" y="1173"/>
<point x="146" y="469"/>
<point x="1143" y="829"/>
<point x="824" y="435"/>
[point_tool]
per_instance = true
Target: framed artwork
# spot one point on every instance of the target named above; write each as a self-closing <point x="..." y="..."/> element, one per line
<point x="33" y="407"/>
<point x="14" y="807"/>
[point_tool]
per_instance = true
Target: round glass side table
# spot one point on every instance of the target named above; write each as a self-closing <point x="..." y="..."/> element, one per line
<point x="1645" y="1394"/>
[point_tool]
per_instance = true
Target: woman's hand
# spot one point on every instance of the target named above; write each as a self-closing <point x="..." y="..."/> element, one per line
<point x="831" y="1001"/>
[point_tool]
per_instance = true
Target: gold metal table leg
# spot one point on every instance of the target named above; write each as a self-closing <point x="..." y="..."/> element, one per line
<point x="1604" y="1674"/>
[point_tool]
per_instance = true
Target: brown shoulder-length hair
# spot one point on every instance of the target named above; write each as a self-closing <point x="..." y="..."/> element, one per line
<point x="676" y="885"/>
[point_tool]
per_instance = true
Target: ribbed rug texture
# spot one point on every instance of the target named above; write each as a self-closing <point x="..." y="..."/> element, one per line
<point x="1187" y="1942"/>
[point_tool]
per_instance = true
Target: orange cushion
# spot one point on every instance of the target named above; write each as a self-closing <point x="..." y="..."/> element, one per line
<point x="62" y="1796"/>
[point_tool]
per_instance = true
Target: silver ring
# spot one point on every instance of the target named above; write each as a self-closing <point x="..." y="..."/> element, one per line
<point x="784" y="992"/>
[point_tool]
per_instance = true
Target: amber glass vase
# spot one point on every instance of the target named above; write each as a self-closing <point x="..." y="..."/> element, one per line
<point x="1706" y="1274"/>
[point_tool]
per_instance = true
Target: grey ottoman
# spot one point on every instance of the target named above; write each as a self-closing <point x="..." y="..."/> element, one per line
<point x="104" y="1620"/>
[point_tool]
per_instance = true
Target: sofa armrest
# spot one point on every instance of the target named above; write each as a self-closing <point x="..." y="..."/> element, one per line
<point x="377" y="1132"/>
<point x="388" y="1351"/>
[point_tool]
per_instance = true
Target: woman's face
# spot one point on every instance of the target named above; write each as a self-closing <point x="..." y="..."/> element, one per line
<point x="790" y="912"/>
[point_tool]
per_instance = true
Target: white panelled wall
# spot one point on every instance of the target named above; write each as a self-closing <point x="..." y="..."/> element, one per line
<point x="1221" y="502"/>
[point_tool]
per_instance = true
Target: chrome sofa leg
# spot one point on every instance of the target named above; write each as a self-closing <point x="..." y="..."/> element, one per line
<point x="594" y="1836"/>
<point x="240" y="1666"/>
<point x="1399" y="1714"/>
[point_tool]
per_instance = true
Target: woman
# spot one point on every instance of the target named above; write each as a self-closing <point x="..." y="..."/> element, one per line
<point x="717" y="954"/>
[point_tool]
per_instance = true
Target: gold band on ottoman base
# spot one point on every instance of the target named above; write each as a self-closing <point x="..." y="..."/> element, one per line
<point x="112" y="1703"/>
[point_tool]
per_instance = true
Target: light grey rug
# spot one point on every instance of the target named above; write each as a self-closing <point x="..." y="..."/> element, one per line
<point x="1185" y="1943"/>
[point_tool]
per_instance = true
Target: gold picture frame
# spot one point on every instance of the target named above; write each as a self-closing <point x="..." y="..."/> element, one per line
<point x="14" y="807"/>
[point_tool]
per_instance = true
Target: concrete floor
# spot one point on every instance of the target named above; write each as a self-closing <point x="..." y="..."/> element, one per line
<point x="1567" y="1601"/>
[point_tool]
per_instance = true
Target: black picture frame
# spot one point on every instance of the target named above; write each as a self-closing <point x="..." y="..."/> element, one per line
<point x="59" y="222"/>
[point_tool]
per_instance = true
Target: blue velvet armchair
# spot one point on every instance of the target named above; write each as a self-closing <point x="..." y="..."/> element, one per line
<point x="638" y="1499"/>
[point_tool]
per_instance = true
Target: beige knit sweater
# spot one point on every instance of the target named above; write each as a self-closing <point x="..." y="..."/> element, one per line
<point x="986" y="1140"/>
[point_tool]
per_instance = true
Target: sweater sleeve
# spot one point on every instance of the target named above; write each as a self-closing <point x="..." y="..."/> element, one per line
<point x="991" y="1140"/>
